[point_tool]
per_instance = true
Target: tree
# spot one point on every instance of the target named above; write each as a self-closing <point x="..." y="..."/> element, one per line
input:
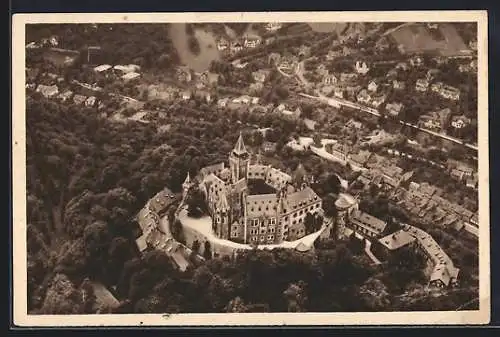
<point x="196" y="247"/>
<point x="236" y="305"/>
<point x="207" y="252"/>
<point x="309" y="223"/>
<point x="196" y="203"/>
<point x="329" y="205"/>
<point x="296" y="296"/>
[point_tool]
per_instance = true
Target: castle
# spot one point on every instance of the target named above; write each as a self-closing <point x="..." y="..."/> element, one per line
<point x="240" y="216"/>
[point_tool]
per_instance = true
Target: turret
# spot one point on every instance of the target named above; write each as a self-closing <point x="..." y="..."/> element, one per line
<point x="186" y="185"/>
<point x="239" y="160"/>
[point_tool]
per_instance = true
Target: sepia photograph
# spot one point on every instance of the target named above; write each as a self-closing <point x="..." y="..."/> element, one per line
<point x="277" y="168"/>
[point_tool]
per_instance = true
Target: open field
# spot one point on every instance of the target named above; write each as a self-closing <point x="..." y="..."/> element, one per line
<point x="327" y="27"/>
<point x="206" y="40"/>
<point x="418" y="38"/>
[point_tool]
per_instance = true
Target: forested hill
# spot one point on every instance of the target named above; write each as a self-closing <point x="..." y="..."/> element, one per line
<point x="147" y="45"/>
<point x="88" y="176"/>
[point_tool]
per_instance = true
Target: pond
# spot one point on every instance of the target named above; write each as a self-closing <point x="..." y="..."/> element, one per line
<point x="206" y="40"/>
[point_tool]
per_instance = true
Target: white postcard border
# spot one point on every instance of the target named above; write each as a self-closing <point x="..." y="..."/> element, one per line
<point x="20" y="316"/>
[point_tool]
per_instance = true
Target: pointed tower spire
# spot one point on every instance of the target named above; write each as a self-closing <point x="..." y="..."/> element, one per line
<point x="187" y="181"/>
<point x="240" y="148"/>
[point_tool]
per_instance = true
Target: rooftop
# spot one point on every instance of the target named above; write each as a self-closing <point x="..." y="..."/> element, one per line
<point x="397" y="240"/>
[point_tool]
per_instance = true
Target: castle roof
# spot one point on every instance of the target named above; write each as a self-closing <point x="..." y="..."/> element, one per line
<point x="240" y="148"/>
<point x="303" y="196"/>
<point x="187" y="180"/>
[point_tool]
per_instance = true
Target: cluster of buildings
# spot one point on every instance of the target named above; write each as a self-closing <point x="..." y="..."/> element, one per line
<point x="153" y="235"/>
<point x="351" y="221"/>
<point x="236" y="45"/>
<point x="52" y="86"/>
<point x="127" y="72"/>
<point x="242" y="215"/>
<point x="440" y="269"/>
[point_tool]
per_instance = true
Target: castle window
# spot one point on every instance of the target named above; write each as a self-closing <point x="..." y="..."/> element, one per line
<point x="254" y="238"/>
<point x="294" y="222"/>
<point x="286" y="218"/>
<point x="255" y="222"/>
<point x="272" y="221"/>
<point x="234" y="234"/>
<point x="235" y="228"/>
<point x="271" y="230"/>
<point x="270" y="237"/>
<point x="260" y="209"/>
<point x="262" y="231"/>
<point x="262" y="238"/>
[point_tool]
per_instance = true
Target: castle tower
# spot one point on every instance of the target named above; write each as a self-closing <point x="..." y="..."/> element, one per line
<point x="186" y="185"/>
<point x="239" y="160"/>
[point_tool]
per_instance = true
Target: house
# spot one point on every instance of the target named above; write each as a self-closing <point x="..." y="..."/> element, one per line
<point x="339" y="150"/>
<point x="347" y="77"/>
<point x="65" y="95"/>
<point x="268" y="147"/>
<point x="130" y="76"/>
<point x="186" y="95"/>
<point x="222" y="44"/>
<point x="102" y="68"/>
<point x="363" y="96"/>
<point x="361" y="158"/>
<point x="432" y="25"/>
<point x="393" y="73"/>
<point x="436" y="87"/>
<point x="332" y="54"/>
<point x="422" y="85"/>
<point x="472" y="182"/>
<point x="203" y="95"/>
<point x="416" y="61"/>
<point x="90" y="101"/>
<point x="222" y="102"/>
<point x="292" y="114"/>
<point x="124" y="69"/>
<point x="184" y="74"/>
<point x="329" y="79"/>
<point x="466" y="170"/>
<point x="473" y="44"/>
<point x="251" y="41"/>
<point x="274" y="58"/>
<point x="394" y="108"/>
<point x="372" y="86"/>
<point x="362" y="68"/>
<point x="79" y="99"/>
<point x="32" y="45"/>
<point x="435" y="120"/>
<point x="402" y="66"/>
<point x="260" y="75"/>
<point x="398" y="85"/>
<point x="459" y="122"/>
<point x="256" y="87"/>
<point x="377" y="101"/>
<point x="450" y="92"/>
<point x="236" y="46"/>
<point x="431" y="74"/>
<point x="47" y="91"/>
<point x="272" y="26"/>
<point x="321" y="70"/>
<point x="304" y="51"/>
<point x="366" y="224"/>
<point x="338" y="92"/>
